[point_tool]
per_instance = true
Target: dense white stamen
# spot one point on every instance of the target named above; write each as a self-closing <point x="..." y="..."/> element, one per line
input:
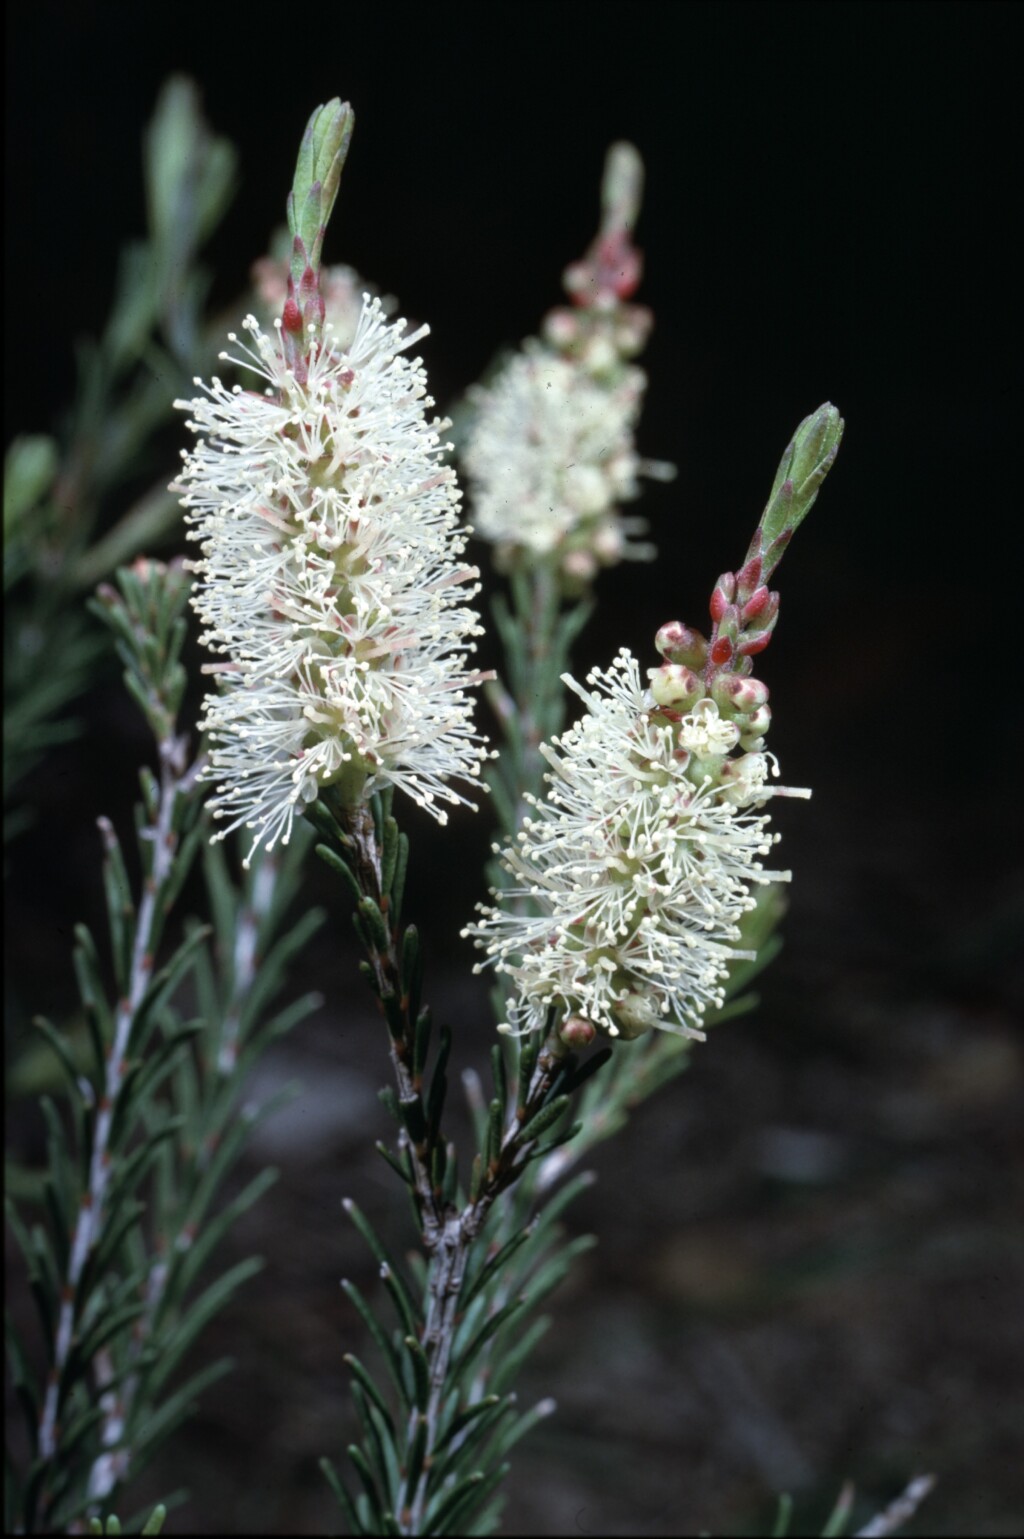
<point x="551" y="454"/>
<point x="329" y="579"/>
<point x="641" y="860"/>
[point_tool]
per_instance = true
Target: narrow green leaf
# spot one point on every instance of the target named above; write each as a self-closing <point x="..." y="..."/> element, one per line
<point x="529" y="1051"/>
<point x="197" y="1316"/>
<point x="389" y="855"/>
<point x="413" y="1116"/>
<point x="421" y="1372"/>
<point x="389" y="1272"/>
<point x="542" y="1120"/>
<point x="342" y="1496"/>
<point x="393" y="1160"/>
<point x="439" y="1084"/>
<point x="498" y="1074"/>
<point x="495" y="1132"/>
<point x="62" y="1050"/>
<point x="358" y="1371"/>
<point x="76" y="1431"/>
<point x="449" y="1514"/>
<point x="120" y="908"/>
<point x="380" y="1340"/>
<point x="542" y="1150"/>
<point x="369" y="1485"/>
<point x="414" y="1457"/>
<point x="512" y="1432"/>
<point x="90" y="987"/>
<point x="780" y="1528"/>
<point x="109" y="1325"/>
<point x="593" y="1065"/>
<point x="158" y="1425"/>
<point x="421" y="1041"/>
<point x="464" y="1419"/>
<point x="374" y="1441"/>
<point x="161" y="985"/>
<point x="214" y="1230"/>
<point x="340" y="868"/>
<point x="411" y="970"/>
<point x="494" y="1268"/>
<point x="467" y="1449"/>
<point x="398" y="880"/>
<point x="504" y="1371"/>
<point x="101" y="1257"/>
<point x="489" y="1329"/>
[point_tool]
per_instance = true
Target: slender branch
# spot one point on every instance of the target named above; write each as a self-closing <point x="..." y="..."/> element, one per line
<point x="448" y="1231"/>
<point x="445" y="1278"/>
<point x="111" y="1465"/>
<point x="387" y="974"/>
<point x="175" y="779"/>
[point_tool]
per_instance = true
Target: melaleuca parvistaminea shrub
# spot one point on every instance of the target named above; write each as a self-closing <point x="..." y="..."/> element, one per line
<point x="329" y="580"/>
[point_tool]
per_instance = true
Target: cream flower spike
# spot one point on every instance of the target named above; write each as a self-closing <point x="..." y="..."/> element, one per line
<point x="551" y="453"/>
<point x="329" y="581"/>
<point x="638" y="867"/>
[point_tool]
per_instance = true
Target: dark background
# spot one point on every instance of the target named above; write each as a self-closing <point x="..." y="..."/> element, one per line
<point x="810" y="1259"/>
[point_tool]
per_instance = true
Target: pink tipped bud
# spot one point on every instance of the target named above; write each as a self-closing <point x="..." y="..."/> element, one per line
<point x="577" y="1032"/>
<point x="739" y="694"/>
<point x="679" y="644"/>
<point x="674" y="686"/>
<point x="291" y="318"/>
<point x="721" y="651"/>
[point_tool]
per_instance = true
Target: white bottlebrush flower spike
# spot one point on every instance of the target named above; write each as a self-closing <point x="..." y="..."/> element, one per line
<point x="329" y="581"/>
<point x="637" y="868"/>
<point x="550" y="455"/>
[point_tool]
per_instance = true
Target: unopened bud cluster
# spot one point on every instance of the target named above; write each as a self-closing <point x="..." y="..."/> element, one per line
<point x="551" y="455"/>
<point x="342" y="288"/>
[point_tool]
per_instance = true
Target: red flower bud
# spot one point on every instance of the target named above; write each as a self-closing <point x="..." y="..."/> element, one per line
<point x="725" y="592"/>
<point x="677" y="643"/>
<point x="756" y="602"/>
<point x="577" y="1032"/>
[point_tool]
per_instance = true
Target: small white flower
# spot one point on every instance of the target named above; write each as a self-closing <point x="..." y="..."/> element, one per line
<point x="551" y="453"/>
<point x="329" y="581"/>
<point x="705" y="733"/>
<point x="638" y="868"/>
